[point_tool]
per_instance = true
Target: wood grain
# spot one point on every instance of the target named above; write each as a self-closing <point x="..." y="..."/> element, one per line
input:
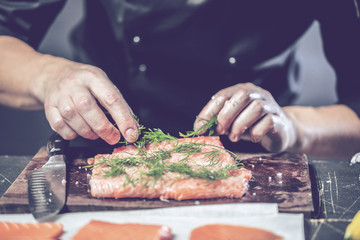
<point x="277" y="178"/>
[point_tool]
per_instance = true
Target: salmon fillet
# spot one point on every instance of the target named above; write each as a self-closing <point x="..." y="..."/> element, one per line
<point x="103" y="230"/>
<point x="230" y="232"/>
<point x="35" y="231"/>
<point x="197" y="178"/>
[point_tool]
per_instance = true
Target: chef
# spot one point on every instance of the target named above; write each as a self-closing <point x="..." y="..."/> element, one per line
<point x="176" y="64"/>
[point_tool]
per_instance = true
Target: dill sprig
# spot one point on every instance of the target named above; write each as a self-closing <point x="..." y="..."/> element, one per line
<point x="202" y="172"/>
<point x="114" y="171"/>
<point x="156" y="135"/>
<point x="186" y="170"/>
<point x="149" y="136"/>
<point x="154" y="165"/>
<point x="209" y="127"/>
<point x="187" y="149"/>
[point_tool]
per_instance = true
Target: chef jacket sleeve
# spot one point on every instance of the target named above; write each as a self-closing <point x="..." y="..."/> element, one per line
<point x="340" y="28"/>
<point x="28" y="20"/>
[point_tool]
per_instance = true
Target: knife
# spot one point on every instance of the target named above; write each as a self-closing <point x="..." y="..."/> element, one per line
<point x="47" y="185"/>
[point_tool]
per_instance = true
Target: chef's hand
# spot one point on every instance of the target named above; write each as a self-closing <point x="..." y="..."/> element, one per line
<point x="245" y="111"/>
<point x="72" y="94"/>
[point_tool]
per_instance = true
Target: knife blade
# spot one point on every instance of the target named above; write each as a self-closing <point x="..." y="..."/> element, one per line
<point x="47" y="185"/>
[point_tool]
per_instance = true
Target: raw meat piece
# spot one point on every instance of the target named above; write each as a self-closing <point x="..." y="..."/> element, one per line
<point x="209" y="156"/>
<point x="49" y="230"/>
<point x="130" y="231"/>
<point x="230" y="232"/>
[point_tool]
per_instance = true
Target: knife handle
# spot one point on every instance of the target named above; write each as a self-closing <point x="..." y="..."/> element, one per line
<point x="56" y="145"/>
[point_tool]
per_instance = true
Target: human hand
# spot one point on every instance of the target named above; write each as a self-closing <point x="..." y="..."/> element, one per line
<point x="72" y="94"/>
<point x="245" y="111"/>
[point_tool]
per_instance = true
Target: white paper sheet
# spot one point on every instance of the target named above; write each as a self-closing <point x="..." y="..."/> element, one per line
<point x="183" y="219"/>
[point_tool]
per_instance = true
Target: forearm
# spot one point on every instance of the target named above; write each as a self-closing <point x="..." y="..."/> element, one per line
<point x="20" y="65"/>
<point x="326" y="132"/>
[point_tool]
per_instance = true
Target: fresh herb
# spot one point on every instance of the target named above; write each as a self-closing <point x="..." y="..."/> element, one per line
<point x="114" y="171"/>
<point x="202" y="172"/>
<point x="154" y="165"/>
<point x="187" y="149"/>
<point x="209" y="127"/>
<point x="156" y="135"/>
<point x="149" y="136"/>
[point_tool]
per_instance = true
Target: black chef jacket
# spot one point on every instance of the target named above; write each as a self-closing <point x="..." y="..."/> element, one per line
<point x="169" y="57"/>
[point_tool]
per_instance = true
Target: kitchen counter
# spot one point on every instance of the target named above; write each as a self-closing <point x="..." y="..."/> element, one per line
<point x="335" y="190"/>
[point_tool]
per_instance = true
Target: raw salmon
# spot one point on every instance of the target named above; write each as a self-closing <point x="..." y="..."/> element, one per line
<point x="230" y="232"/>
<point x="133" y="183"/>
<point x="38" y="231"/>
<point x="130" y="231"/>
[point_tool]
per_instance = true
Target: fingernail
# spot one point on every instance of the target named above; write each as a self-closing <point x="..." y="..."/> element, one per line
<point x="198" y="125"/>
<point x="233" y="138"/>
<point x="130" y="134"/>
<point x="113" y="137"/>
<point x="255" y="139"/>
<point x="93" y="136"/>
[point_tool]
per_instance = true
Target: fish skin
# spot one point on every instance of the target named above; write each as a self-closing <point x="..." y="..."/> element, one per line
<point x="128" y="231"/>
<point x="172" y="185"/>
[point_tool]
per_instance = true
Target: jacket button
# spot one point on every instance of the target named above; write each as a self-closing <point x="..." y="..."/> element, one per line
<point x="232" y="60"/>
<point x="136" y="39"/>
<point x="142" y="67"/>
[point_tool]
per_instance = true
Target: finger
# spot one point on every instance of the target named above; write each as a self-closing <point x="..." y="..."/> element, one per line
<point x="262" y="127"/>
<point x="58" y="124"/>
<point x="73" y="119"/>
<point x="251" y="114"/>
<point x="211" y="109"/>
<point x="279" y="136"/>
<point x="231" y="110"/>
<point x="94" y="117"/>
<point x="111" y="98"/>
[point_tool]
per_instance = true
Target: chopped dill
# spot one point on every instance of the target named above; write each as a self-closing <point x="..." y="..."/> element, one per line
<point x="155" y="172"/>
<point x="154" y="165"/>
<point x="202" y="172"/>
<point x="213" y="156"/>
<point x="114" y="171"/>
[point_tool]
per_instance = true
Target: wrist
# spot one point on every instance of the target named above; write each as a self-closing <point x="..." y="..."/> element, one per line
<point x="47" y="68"/>
<point x="299" y="142"/>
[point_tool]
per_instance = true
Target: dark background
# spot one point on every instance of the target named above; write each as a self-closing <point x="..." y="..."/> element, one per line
<point x="24" y="132"/>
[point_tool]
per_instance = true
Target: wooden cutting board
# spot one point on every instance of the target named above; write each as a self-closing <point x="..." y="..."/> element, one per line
<point x="277" y="178"/>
